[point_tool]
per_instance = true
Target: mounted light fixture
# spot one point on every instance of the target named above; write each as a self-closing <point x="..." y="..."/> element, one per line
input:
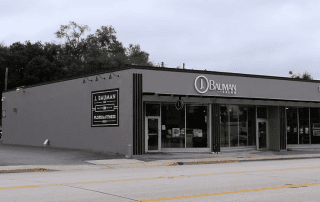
<point x="100" y="77"/>
<point x="110" y="77"/>
<point x="3" y="99"/>
<point x="19" y="88"/>
<point x="84" y="80"/>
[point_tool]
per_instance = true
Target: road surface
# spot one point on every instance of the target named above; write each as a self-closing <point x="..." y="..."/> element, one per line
<point x="277" y="180"/>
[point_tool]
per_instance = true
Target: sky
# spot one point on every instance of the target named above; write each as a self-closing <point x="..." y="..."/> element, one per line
<point x="251" y="37"/>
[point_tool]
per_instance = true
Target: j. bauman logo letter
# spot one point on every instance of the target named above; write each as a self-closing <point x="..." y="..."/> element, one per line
<point x="202" y="85"/>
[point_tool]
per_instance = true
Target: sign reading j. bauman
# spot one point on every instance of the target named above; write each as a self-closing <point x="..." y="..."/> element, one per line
<point x="105" y="108"/>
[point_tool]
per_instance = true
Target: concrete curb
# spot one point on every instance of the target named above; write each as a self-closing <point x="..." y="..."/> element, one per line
<point x="133" y="163"/>
<point x="236" y="160"/>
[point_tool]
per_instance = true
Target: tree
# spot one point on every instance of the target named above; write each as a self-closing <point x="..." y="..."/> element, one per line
<point x="33" y="63"/>
<point x="99" y="51"/>
<point x="138" y="57"/>
<point x="103" y="50"/>
<point x="305" y="76"/>
<point x="73" y="50"/>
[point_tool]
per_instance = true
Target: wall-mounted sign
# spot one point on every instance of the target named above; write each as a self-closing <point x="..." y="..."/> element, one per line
<point x="202" y="85"/>
<point x="179" y="104"/>
<point x="105" y="108"/>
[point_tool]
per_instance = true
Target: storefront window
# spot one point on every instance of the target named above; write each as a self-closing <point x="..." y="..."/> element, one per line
<point x="292" y="126"/>
<point x="315" y="124"/>
<point x="224" y="128"/>
<point x="243" y="126"/>
<point x="197" y="126"/>
<point x="303" y="125"/>
<point x="233" y="124"/>
<point x="172" y="126"/>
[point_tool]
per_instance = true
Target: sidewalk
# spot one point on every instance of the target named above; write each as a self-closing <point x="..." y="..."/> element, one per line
<point x="52" y="159"/>
<point x="176" y="159"/>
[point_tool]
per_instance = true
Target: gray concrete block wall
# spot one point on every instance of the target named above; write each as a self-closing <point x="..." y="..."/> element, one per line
<point x="61" y="112"/>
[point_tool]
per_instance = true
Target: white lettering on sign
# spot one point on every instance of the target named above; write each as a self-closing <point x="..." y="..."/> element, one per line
<point x="205" y="85"/>
<point x="105" y="117"/>
<point x="105" y="97"/>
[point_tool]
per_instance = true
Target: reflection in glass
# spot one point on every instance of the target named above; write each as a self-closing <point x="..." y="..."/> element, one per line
<point x="292" y="125"/>
<point x="233" y="124"/>
<point x="173" y="126"/>
<point x="243" y="126"/>
<point x="238" y="122"/>
<point x="224" y="132"/>
<point x="314" y="121"/>
<point x="304" y="125"/>
<point x="197" y="125"/>
<point x="262" y="134"/>
<point x="153" y="134"/>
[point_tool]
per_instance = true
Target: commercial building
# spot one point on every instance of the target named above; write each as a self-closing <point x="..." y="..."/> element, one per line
<point x="157" y="109"/>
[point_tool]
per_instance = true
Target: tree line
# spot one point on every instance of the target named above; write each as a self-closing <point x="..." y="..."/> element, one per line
<point x="80" y="54"/>
<point x="32" y="63"/>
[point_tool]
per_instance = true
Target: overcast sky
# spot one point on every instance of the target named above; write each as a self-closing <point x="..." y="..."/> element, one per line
<point x="250" y="37"/>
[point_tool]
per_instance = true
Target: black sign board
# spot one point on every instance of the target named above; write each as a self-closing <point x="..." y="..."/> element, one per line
<point x="105" y="108"/>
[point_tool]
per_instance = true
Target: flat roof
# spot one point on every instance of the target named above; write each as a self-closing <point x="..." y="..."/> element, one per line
<point x="126" y="67"/>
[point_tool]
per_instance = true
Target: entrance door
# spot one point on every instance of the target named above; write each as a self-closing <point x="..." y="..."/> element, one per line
<point x="152" y="134"/>
<point x="262" y="131"/>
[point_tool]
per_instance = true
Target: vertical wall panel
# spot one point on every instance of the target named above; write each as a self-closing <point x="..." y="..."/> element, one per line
<point x="215" y="125"/>
<point x="274" y="128"/>
<point x="137" y="114"/>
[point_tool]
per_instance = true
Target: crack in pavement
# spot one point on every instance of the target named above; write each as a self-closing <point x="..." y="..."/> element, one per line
<point x="101" y="192"/>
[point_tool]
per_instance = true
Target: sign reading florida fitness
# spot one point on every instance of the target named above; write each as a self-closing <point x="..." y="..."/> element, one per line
<point x="105" y="108"/>
<point x="202" y="85"/>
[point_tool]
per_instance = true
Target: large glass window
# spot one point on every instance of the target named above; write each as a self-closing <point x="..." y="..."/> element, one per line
<point x="185" y="128"/>
<point x="314" y="124"/>
<point x="243" y="126"/>
<point x="224" y="126"/>
<point x="172" y="126"/>
<point x="197" y="126"/>
<point x="303" y="125"/>
<point x="233" y="124"/>
<point x="292" y="125"/>
<point x="237" y="125"/>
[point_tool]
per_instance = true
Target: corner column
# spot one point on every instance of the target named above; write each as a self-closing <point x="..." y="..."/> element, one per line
<point x="137" y="114"/>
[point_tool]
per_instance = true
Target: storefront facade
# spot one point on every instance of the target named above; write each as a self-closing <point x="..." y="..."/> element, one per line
<point x="224" y="111"/>
<point x="166" y="110"/>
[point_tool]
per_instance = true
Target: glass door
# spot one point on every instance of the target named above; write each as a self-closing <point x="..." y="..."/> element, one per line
<point x="262" y="134"/>
<point x="152" y="133"/>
